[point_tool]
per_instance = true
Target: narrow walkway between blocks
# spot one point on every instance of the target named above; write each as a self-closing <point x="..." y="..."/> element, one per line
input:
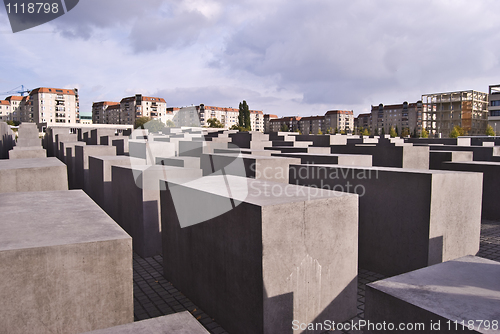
<point x="154" y="296"/>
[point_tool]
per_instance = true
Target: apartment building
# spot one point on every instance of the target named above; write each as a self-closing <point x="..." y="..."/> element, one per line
<point x="443" y="111"/>
<point x="362" y="122"/>
<point x="4" y="110"/>
<point x="494" y="107"/>
<point x="100" y="113"/>
<point x="49" y="106"/>
<point x="16" y="107"/>
<point x="292" y="123"/>
<point x="229" y="116"/>
<point x="141" y="106"/>
<point x="342" y="120"/>
<point x="312" y="125"/>
<point x="267" y="124"/>
<point x="398" y="116"/>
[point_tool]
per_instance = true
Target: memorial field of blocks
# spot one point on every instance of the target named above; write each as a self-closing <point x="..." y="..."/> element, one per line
<point x="258" y="230"/>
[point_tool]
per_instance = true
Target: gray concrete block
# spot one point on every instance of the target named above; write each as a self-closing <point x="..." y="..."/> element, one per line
<point x="491" y="183"/>
<point x="66" y="266"/>
<point x="69" y="160"/>
<point x="81" y="166"/>
<point x="63" y="138"/>
<point x="265" y="254"/>
<point x="188" y="162"/>
<point x="96" y="134"/>
<point x="177" y="323"/>
<point x="258" y="167"/>
<point x="100" y="189"/>
<point x="336" y="159"/>
<point x="150" y="150"/>
<point x="136" y="202"/>
<point x="121" y="144"/>
<point x="6" y="140"/>
<point x="27" y="153"/>
<point x="26" y="175"/>
<point x="465" y="289"/>
<point x="414" y="157"/>
<point x="408" y="219"/>
<point x="480" y="153"/>
<point x="436" y="158"/>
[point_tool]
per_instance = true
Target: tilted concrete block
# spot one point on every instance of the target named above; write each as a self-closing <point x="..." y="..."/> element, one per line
<point x="25" y="175"/>
<point x="438" y="299"/>
<point x="176" y="323"/>
<point x="261" y="254"/>
<point x="136" y="202"/>
<point x="66" y="266"/>
<point x="408" y="219"/>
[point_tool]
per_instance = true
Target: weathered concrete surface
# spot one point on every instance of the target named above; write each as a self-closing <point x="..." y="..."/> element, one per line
<point x="27" y="153"/>
<point x="66" y="266"/>
<point x="69" y="160"/>
<point x="82" y="153"/>
<point x="6" y="140"/>
<point x="136" y="202"/>
<point x="388" y="155"/>
<point x="264" y="168"/>
<point x="491" y="183"/>
<point x="436" y="158"/>
<point x="150" y="150"/>
<point x="336" y="159"/>
<point x="408" y="219"/>
<point x="101" y="190"/>
<point x="284" y="252"/>
<point x="465" y="289"/>
<point x="188" y="162"/>
<point x="24" y="175"/>
<point x="59" y="138"/>
<point x="176" y="323"/>
<point x="480" y="153"/>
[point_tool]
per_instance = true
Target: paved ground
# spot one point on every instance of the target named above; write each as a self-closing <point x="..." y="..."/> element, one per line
<point x="154" y="296"/>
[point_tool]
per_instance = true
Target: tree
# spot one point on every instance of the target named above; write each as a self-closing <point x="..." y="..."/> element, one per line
<point x="457" y="132"/>
<point x="383" y="132"/>
<point x="415" y="135"/>
<point x="405" y="133"/>
<point x="139" y="122"/>
<point x="244" y="116"/>
<point x="424" y="134"/>
<point x="154" y="125"/>
<point x="393" y="133"/>
<point x="284" y="128"/>
<point x="320" y="132"/>
<point x="366" y="132"/>
<point x="336" y="130"/>
<point x="214" y="123"/>
<point x="170" y="124"/>
<point x="397" y="132"/>
<point x="490" y="131"/>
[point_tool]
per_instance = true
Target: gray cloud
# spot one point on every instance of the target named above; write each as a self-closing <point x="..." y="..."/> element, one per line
<point x="343" y="51"/>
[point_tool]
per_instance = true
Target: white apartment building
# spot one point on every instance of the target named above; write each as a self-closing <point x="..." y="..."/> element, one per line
<point x="229" y="116"/>
<point x="4" y="110"/>
<point x="49" y="106"/>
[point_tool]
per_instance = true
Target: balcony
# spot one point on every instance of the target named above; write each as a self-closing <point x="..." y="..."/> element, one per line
<point x="60" y="98"/>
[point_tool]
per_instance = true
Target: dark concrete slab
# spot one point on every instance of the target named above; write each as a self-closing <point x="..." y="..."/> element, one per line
<point x="465" y="289"/>
<point x="279" y="252"/>
<point x="408" y="219"/>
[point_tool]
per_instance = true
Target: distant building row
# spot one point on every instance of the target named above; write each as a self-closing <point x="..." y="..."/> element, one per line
<point x="130" y="108"/>
<point x="44" y="106"/>
<point x="437" y="113"/>
<point x="333" y="121"/>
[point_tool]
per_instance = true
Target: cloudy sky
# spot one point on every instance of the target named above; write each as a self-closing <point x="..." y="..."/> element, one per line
<point x="282" y="57"/>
